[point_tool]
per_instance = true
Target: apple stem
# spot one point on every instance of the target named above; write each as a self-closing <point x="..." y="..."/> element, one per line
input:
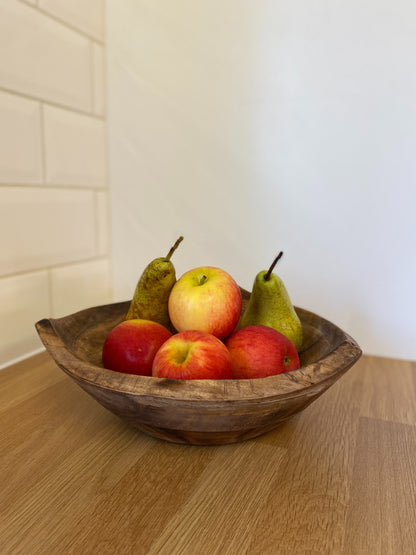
<point x="175" y="246"/>
<point x="270" y="270"/>
<point x="202" y="279"/>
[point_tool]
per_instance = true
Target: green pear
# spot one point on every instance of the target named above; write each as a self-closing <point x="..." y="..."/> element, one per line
<point x="150" y="299"/>
<point x="270" y="305"/>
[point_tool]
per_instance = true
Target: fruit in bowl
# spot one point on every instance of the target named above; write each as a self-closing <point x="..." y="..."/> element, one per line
<point x="206" y="304"/>
<point x="151" y="295"/>
<point x="206" y="299"/>
<point x="270" y="305"/>
<point x="204" y="411"/>
<point x="131" y="346"/>
<point x="258" y="351"/>
<point x="197" y="412"/>
<point x="193" y="355"/>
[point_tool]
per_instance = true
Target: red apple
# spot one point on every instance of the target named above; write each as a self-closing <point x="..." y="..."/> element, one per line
<point x="193" y="355"/>
<point x="131" y="346"/>
<point x="206" y="299"/>
<point x="258" y="351"/>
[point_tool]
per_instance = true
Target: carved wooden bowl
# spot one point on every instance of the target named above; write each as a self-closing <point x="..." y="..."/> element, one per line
<point x="198" y="412"/>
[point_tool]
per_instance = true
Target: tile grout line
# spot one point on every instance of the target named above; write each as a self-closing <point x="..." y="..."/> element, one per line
<point x="54" y="266"/>
<point x="50" y="296"/>
<point x="52" y="103"/>
<point x="96" y="225"/>
<point x="92" y="79"/>
<point x="43" y="142"/>
<point x="52" y="186"/>
<point x="57" y="19"/>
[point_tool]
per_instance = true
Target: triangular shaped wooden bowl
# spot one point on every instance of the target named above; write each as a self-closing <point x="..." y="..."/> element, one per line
<point x="198" y="412"/>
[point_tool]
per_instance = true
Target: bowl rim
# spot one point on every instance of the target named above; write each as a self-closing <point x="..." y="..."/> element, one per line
<point x="290" y="384"/>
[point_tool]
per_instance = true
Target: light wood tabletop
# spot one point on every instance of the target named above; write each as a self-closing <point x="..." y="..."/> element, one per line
<point x="338" y="478"/>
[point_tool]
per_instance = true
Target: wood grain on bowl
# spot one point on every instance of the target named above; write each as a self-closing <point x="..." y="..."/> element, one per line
<point x="199" y="412"/>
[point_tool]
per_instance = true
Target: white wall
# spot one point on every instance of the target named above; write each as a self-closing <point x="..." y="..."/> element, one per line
<point x="54" y="220"/>
<point x="254" y="127"/>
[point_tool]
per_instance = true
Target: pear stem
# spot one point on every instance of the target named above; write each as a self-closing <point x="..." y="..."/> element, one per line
<point x="270" y="270"/>
<point x="175" y="246"/>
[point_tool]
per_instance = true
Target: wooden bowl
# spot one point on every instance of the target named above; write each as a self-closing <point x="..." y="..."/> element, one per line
<point x="198" y="412"/>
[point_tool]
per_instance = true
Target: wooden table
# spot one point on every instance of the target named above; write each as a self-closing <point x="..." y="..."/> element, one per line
<point x="339" y="478"/>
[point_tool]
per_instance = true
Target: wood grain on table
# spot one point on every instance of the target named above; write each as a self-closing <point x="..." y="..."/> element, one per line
<point x="339" y="478"/>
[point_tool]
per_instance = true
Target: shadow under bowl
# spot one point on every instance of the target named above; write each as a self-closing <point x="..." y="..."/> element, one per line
<point x="197" y="412"/>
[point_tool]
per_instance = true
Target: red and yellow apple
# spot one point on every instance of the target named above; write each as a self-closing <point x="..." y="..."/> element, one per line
<point x="193" y="355"/>
<point x="131" y="346"/>
<point x="206" y="299"/>
<point x="258" y="351"/>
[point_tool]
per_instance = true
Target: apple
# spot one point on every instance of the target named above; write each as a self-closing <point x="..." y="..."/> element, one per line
<point x="131" y="346"/>
<point x="206" y="299"/>
<point x="193" y="355"/>
<point x="258" y="351"/>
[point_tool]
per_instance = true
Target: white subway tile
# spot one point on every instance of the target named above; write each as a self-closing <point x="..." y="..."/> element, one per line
<point x="80" y="286"/>
<point x="43" y="58"/>
<point x="75" y="148"/>
<point x="20" y="140"/>
<point x="43" y="227"/>
<point x="24" y="300"/>
<point x="98" y="68"/>
<point x="86" y="16"/>
<point x="103" y="222"/>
